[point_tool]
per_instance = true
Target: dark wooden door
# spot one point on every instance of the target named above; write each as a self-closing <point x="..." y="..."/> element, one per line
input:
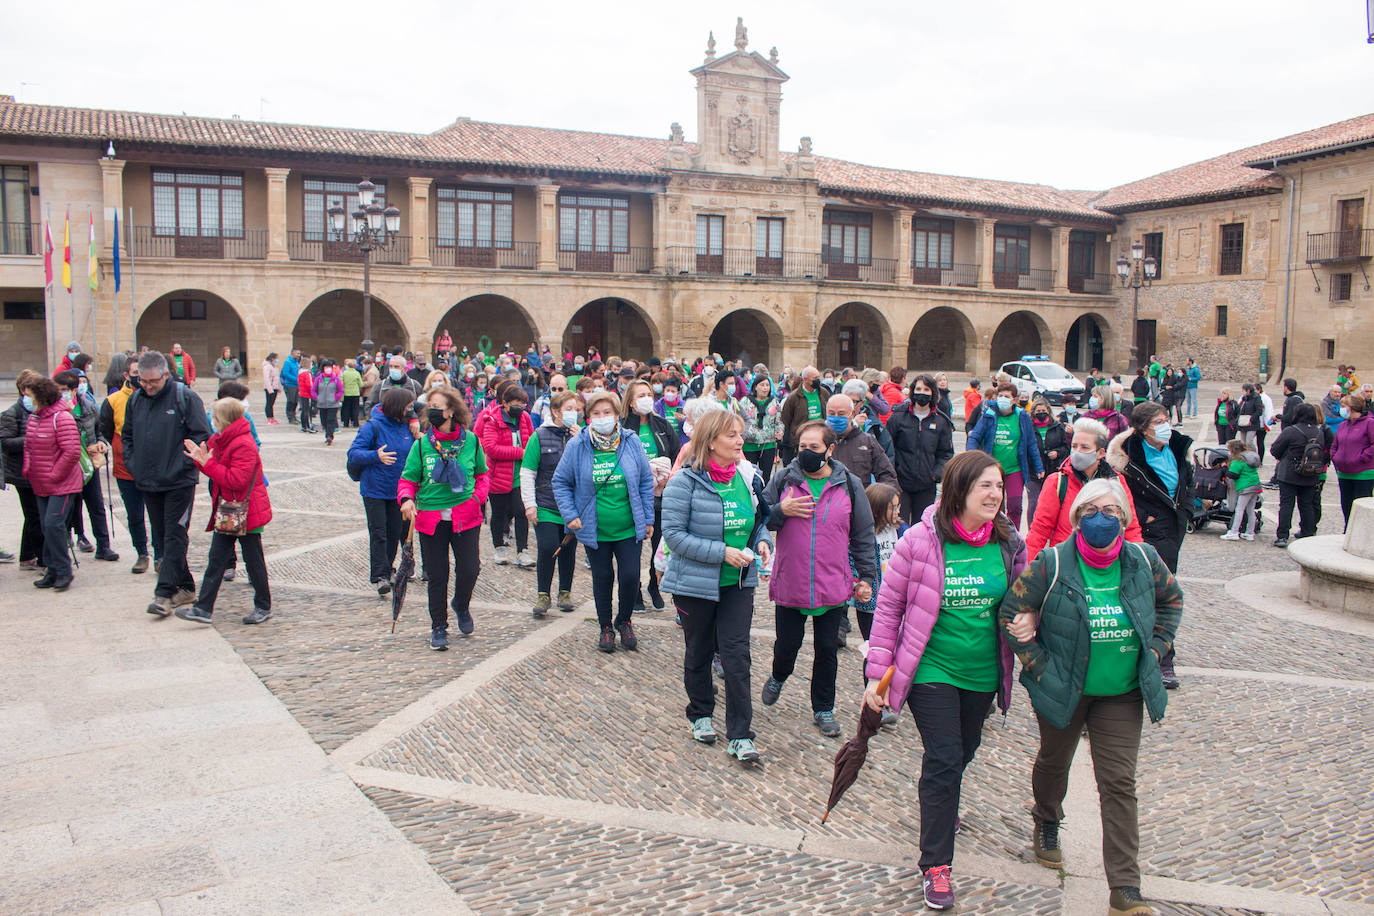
<point x="1351" y="216"/>
<point x="1145" y="340"/>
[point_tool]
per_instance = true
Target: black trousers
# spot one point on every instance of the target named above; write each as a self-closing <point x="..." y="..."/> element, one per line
<point x="271" y="397"/>
<point x="711" y="627"/>
<point x="329" y="419"/>
<point x="135" y="514"/>
<point x="763" y="459"/>
<point x="790" y="627"/>
<point x="169" y="515"/>
<point x="222" y="558"/>
<point x="435" y="549"/>
<point x="506" y="507"/>
<point x="914" y="502"/>
<point x="384" y="531"/>
<point x="547" y="537"/>
<point x="54" y="511"/>
<point x="950" y="721"/>
<point x="1351" y="490"/>
<point x="292" y="397"/>
<point x="615" y="562"/>
<point x="1305" y="497"/>
<point x="349" y="410"/>
<point x="1260" y="435"/>
<point x="31" y="538"/>
<point x="93" y="498"/>
<point x="307" y="408"/>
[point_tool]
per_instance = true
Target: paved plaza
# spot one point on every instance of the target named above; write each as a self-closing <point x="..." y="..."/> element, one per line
<point x="318" y="763"/>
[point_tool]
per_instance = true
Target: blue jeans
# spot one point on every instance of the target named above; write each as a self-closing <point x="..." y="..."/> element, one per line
<point x="1191" y="402"/>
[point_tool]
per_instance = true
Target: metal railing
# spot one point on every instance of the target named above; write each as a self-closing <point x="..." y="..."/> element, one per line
<point x="461" y="253"/>
<point x="953" y="275"/>
<point x="1346" y="245"/>
<point x="322" y="247"/>
<point x="591" y="260"/>
<point x="230" y="245"/>
<point x="741" y="262"/>
<point x="1231" y="263"/>
<point x="21" y="238"/>
<point x="1091" y="285"/>
<point x="1036" y="278"/>
<point x="873" y="270"/>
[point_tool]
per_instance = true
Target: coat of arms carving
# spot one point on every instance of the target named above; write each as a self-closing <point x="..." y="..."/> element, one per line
<point x="742" y="133"/>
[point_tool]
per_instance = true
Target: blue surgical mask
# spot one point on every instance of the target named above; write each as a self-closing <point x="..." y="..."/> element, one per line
<point x="1004" y="404"/>
<point x="1100" y="530"/>
<point x="1094" y="403"/>
<point x="83" y="387"/>
<point x="67" y="396"/>
<point x="838" y="424"/>
<point x="570" y="418"/>
<point x="397" y="375"/>
<point x="28" y="403"/>
<point x="658" y="388"/>
<point x="1345" y="411"/>
<point x="1163" y="432"/>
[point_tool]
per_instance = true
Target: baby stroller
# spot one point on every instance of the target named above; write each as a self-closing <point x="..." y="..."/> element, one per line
<point x="1210" y="491"/>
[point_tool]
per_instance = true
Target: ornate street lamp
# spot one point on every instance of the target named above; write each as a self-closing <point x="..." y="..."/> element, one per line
<point x="1137" y="272"/>
<point x="370" y="227"/>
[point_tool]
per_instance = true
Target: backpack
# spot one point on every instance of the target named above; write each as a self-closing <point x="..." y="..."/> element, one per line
<point x="1314" y="458"/>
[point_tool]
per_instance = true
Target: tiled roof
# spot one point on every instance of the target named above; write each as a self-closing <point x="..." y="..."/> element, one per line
<point x="485" y="142"/>
<point x="1228" y="175"/>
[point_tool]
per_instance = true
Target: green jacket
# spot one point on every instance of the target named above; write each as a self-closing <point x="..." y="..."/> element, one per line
<point x="1054" y="665"/>
<point x="352" y="383"/>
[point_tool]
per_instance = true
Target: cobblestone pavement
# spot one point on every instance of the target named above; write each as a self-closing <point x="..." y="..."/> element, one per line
<point x="538" y="775"/>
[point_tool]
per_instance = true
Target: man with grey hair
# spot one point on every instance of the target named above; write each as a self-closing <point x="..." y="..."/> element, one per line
<point x="871" y="411"/>
<point x="395" y="377"/>
<point x="158" y="419"/>
<point x="804" y="404"/>
<point x="1053" y="521"/>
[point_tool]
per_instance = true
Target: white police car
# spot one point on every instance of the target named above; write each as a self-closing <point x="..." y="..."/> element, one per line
<point x="1038" y="375"/>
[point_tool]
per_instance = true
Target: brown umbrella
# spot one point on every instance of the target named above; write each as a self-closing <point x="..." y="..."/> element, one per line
<point x="851" y="757"/>
<point x="404" y="570"/>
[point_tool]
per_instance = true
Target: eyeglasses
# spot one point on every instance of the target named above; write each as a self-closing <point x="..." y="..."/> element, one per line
<point x="149" y="381"/>
<point x="1092" y="511"/>
<point x="555" y="389"/>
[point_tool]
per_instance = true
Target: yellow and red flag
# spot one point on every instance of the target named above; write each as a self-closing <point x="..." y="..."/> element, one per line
<point x="67" y="250"/>
<point x="93" y="263"/>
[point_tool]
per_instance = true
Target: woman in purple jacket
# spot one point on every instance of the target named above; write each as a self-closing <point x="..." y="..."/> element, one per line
<point x="1352" y="454"/>
<point x="936" y="623"/>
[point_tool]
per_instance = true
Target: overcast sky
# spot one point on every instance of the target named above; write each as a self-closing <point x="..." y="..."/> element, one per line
<point x="1073" y="94"/>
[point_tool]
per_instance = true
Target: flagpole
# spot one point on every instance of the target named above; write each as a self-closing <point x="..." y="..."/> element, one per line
<point x="115" y="296"/>
<point x="90" y="216"/>
<point x="48" y="318"/>
<point x="133" y="297"/>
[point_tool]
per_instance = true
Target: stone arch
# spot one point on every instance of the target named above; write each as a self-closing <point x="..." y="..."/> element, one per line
<point x="940" y="341"/>
<point x="615" y="326"/>
<point x="201" y="321"/>
<point x="497" y="318"/>
<point x="1019" y="334"/>
<point x="750" y="334"/>
<point x="332" y="325"/>
<point x="855" y="334"/>
<point x="1087" y="345"/>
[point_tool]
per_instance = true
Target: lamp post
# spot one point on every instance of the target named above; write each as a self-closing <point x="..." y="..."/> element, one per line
<point x="1137" y="272"/>
<point x="371" y="226"/>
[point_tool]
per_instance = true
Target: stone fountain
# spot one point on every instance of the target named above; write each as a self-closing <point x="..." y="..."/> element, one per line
<point x="1338" y="571"/>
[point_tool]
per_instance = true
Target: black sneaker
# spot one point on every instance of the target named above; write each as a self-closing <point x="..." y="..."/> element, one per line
<point x="639" y="604"/>
<point x="628" y="640"/>
<point x="655" y="596"/>
<point x="84" y="545"/>
<point x="438" y="639"/>
<point x="230" y="574"/>
<point x="258" y="616"/>
<point x="62" y="583"/>
<point x="464" y="621"/>
<point x="772" y="689"/>
<point x="383" y="588"/>
<point x="46" y="581"/>
<point x="193" y="614"/>
<point x="606" y="643"/>
<point x="1280" y="542"/>
<point x="825" y="721"/>
<point x="106" y="554"/>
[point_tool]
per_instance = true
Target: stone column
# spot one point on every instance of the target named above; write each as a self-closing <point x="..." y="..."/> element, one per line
<point x="276" y="214"/>
<point x="983" y="251"/>
<point x="112" y="198"/>
<point x="901" y="248"/>
<point x="547" y="226"/>
<point x="660" y="232"/>
<point x="419" y="220"/>
<point x="978" y="359"/>
<point x="1059" y="258"/>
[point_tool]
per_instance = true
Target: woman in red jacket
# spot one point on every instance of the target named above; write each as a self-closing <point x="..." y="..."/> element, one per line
<point x="52" y="466"/>
<point x="505" y="430"/>
<point x="230" y="459"/>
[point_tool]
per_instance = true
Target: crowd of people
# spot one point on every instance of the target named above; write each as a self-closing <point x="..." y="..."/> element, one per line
<point x="1053" y="537"/>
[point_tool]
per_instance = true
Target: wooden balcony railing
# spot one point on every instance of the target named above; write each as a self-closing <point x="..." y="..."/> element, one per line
<point x="949" y="275"/>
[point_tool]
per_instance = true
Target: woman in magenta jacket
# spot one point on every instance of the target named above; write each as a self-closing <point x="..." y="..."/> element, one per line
<point x="936" y="623"/>
<point x="52" y="466"/>
<point x="505" y="431"/>
<point x="1352" y="454"/>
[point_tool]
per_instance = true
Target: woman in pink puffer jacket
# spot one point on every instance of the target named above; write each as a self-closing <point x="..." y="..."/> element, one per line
<point x="936" y="624"/>
<point x="52" y="465"/>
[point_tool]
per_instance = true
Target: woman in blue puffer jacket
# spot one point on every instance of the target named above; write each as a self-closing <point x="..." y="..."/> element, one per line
<point x="376" y="458"/>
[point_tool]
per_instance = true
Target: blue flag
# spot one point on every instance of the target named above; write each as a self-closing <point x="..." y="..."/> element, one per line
<point x="116" y="250"/>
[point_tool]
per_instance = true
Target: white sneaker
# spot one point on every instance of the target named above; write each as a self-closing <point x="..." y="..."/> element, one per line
<point x="1228" y="536"/>
<point x="524" y="559"/>
<point x="1247" y="537"/>
<point x="503" y="556"/>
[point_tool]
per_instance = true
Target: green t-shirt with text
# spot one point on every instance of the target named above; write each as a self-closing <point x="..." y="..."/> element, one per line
<point x="1006" y="442"/>
<point x="646" y="438"/>
<point x="1114" y="656"/>
<point x="738" y="504"/>
<point x="963" y="646"/>
<point x="814" y="409"/>
<point x="614" y="520"/>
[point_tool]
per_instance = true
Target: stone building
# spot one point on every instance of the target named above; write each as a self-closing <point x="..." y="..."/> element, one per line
<point x="638" y="245"/>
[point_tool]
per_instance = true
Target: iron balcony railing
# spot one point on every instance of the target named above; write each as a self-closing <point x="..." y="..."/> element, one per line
<point x="596" y="260"/>
<point x="1231" y="262"/>
<point x="865" y="270"/>
<point x="1095" y="285"/>
<point x="221" y="244"/>
<point x="948" y="275"/>
<point x="467" y="253"/>
<point x="688" y="261"/>
<point x="1035" y="278"/>
<point x="302" y="245"/>
<point x="21" y="238"/>
<point x="1346" y="245"/>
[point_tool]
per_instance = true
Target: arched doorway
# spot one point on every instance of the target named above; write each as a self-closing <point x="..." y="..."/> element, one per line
<point x="332" y="325"/>
<point x="202" y="322"/>
<point x="939" y="341"/>
<point x="488" y="315"/>
<point x="856" y="334"/>
<point x="1085" y="344"/>
<point x="750" y="336"/>
<point x="616" y="327"/>
<point x="1020" y="334"/>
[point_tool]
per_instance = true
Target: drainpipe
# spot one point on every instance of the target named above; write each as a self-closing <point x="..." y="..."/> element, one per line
<point x="1293" y="186"/>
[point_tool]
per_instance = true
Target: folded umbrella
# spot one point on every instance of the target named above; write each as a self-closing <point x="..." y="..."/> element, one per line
<point x="404" y="570"/>
<point x="850" y="758"/>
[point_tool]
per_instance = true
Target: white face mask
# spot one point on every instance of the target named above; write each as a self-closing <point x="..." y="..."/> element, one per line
<point x="246" y="405"/>
<point x="644" y="405"/>
<point x="570" y="418"/>
<point x="604" y="425"/>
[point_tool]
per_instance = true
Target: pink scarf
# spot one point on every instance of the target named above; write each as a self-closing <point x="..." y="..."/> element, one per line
<point x="721" y="473"/>
<point x="1098" y="559"/>
<point x="977" y="538"/>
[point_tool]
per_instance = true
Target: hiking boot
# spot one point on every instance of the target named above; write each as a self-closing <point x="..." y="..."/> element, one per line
<point x="141" y="564"/>
<point x="46" y="581"/>
<point x="1166" y="671"/>
<point x="565" y="602"/>
<point x="1280" y="542"/>
<point x="628" y="640"/>
<point x="606" y="643"/>
<point x="107" y="555"/>
<point x="542" y="605"/>
<point x="383" y="588"/>
<point x="825" y="721"/>
<point x="1045" y="842"/>
<point x="84" y="545"/>
<point x="230" y="574"/>
<point x="524" y="559"/>
<point x="464" y="621"/>
<point x="160" y="606"/>
<point x="502" y="556"/>
<point x="62" y="583"/>
<point x="1126" y="901"/>
<point x="703" y="730"/>
<point x="890" y="717"/>
<point x="935" y="883"/>
<point x="193" y="614"/>
<point x="183" y="596"/>
<point x="743" y="750"/>
<point x="438" y="639"/>
<point x="258" y="616"/>
<point x="772" y="689"/>
<point x="655" y="596"/>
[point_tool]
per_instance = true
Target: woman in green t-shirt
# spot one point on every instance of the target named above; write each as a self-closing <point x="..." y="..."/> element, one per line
<point x="1090" y="620"/>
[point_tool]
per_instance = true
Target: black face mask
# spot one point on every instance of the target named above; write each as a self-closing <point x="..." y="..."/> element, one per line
<point x="920" y="399"/>
<point x="436" y="417"/>
<point x="811" y="462"/>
